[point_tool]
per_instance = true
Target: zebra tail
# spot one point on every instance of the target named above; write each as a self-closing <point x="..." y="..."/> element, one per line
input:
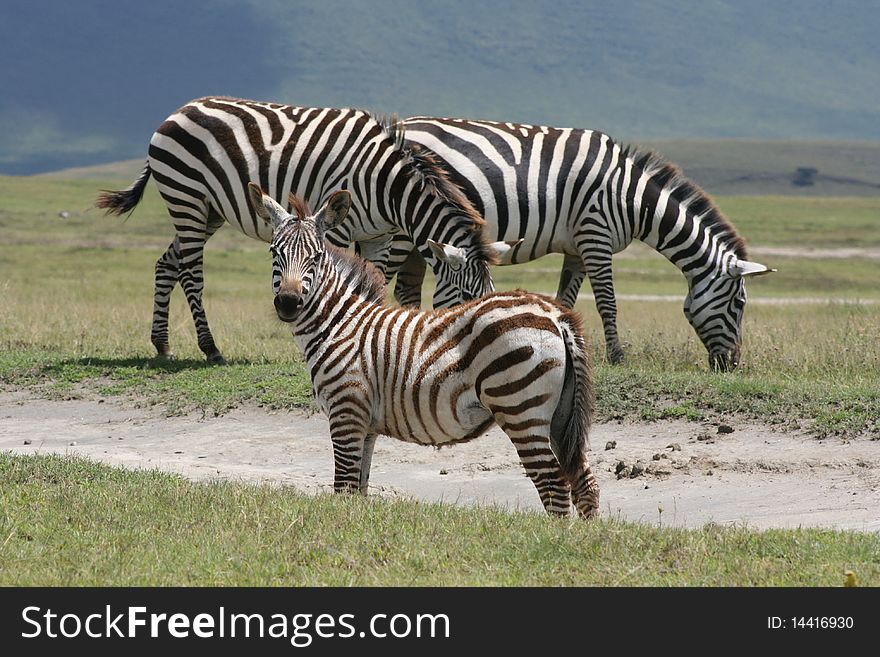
<point x="123" y="201"/>
<point x="570" y="426"/>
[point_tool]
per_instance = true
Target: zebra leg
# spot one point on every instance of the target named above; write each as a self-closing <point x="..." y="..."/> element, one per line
<point x="598" y="266"/>
<point x="192" y="280"/>
<point x="570" y="280"/>
<point x="366" y="462"/>
<point x="167" y="269"/>
<point x="352" y="451"/>
<point x="585" y="491"/>
<point x="377" y="252"/>
<point x="410" y="277"/>
<point x="532" y="443"/>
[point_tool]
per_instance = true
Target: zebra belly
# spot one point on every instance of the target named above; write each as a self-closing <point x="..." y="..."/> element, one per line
<point x="450" y="420"/>
<point x="451" y="415"/>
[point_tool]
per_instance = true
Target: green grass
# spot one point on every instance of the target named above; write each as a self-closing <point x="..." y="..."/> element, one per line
<point x="80" y="327"/>
<point x="825" y="407"/>
<point x="179" y="385"/>
<point x="806" y="222"/>
<point x="69" y="521"/>
<point x="76" y="299"/>
<point x="76" y="295"/>
<point x="633" y="391"/>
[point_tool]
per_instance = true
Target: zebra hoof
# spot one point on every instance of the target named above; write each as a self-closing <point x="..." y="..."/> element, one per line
<point x="216" y="359"/>
<point x="615" y="356"/>
<point x="166" y="355"/>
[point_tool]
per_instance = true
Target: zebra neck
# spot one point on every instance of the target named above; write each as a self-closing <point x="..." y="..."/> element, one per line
<point x="433" y="216"/>
<point x="694" y="246"/>
<point x="331" y="311"/>
<point x="696" y="258"/>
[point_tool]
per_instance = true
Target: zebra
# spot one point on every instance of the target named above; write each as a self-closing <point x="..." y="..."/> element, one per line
<point x="434" y="377"/>
<point x="578" y="193"/>
<point x="204" y="154"/>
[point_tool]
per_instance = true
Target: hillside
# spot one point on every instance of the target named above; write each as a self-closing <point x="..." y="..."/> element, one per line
<point x="732" y="167"/>
<point x="91" y="80"/>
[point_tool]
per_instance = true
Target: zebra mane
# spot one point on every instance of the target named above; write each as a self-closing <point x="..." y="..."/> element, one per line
<point x="424" y="165"/>
<point x="391" y="125"/>
<point x="363" y="278"/>
<point x="298" y="206"/>
<point x="688" y="194"/>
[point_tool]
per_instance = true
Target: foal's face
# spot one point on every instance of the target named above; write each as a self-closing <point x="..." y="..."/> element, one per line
<point x="297" y="249"/>
<point x="297" y="245"/>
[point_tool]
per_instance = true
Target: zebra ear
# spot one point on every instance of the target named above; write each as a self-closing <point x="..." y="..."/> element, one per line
<point x="451" y="255"/>
<point x="502" y="252"/>
<point x="265" y="206"/>
<point x="743" y="268"/>
<point x="335" y="210"/>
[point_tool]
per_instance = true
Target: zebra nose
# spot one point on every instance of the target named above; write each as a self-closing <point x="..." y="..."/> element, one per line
<point x="286" y="306"/>
<point x="724" y="361"/>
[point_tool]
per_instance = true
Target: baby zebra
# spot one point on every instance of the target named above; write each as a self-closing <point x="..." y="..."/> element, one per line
<point x="431" y="377"/>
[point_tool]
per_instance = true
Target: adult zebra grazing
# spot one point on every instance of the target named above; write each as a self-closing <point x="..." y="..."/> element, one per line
<point x="432" y="377"/>
<point x="204" y="154"/>
<point x="578" y="193"/>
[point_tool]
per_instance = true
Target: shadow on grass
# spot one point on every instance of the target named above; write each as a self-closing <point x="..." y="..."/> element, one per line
<point x="145" y="364"/>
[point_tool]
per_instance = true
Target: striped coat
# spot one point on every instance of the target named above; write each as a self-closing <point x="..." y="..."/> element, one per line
<point x="578" y="193"/>
<point x="203" y="156"/>
<point x="431" y="377"/>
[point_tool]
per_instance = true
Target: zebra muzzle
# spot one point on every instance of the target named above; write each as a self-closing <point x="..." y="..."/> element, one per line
<point x="725" y="361"/>
<point x="287" y="305"/>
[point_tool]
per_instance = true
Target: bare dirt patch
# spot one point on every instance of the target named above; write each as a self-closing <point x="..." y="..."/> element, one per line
<point x="672" y="473"/>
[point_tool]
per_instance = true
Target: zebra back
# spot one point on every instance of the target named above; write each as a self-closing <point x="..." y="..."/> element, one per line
<point x="204" y="155"/>
<point x="576" y="192"/>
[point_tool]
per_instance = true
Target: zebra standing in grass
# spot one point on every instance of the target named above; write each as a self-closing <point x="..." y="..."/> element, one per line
<point x="433" y="377"/>
<point x="578" y="193"/>
<point x="204" y="154"/>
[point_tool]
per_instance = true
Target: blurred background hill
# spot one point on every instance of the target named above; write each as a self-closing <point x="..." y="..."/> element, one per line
<point x="748" y="96"/>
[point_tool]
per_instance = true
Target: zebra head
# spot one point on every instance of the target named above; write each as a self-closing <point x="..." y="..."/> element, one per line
<point x="462" y="273"/>
<point x="297" y="245"/>
<point x="714" y="306"/>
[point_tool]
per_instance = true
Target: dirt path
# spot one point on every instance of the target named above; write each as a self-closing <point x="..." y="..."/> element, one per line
<point x="752" y="476"/>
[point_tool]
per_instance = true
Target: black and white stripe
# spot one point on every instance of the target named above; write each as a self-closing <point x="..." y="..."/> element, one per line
<point x="204" y="155"/>
<point x="432" y="377"/>
<point x="578" y="193"/>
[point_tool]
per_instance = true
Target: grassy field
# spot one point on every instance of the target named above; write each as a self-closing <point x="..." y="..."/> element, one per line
<point x="77" y="298"/>
<point x="68" y="521"/>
